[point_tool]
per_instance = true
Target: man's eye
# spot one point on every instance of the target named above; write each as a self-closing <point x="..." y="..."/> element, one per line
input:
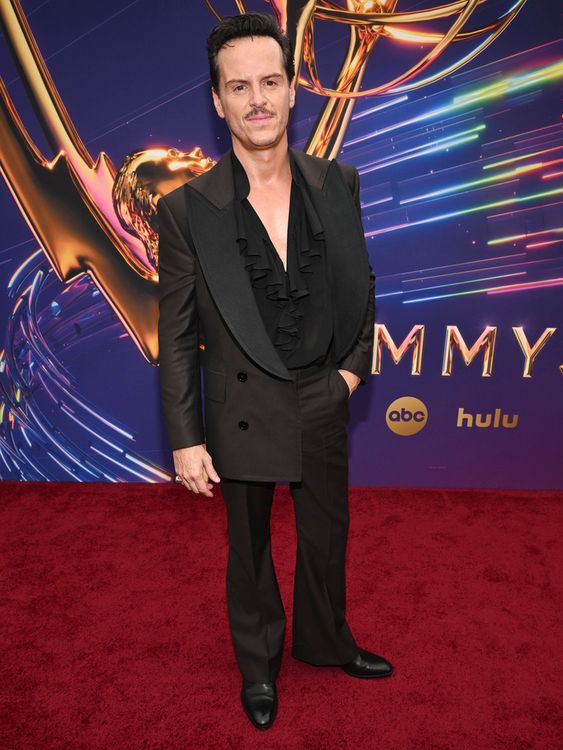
<point x="272" y="81"/>
<point x="240" y="86"/>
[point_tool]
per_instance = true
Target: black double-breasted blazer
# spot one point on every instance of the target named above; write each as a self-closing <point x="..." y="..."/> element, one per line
<point x="209" y="322"/>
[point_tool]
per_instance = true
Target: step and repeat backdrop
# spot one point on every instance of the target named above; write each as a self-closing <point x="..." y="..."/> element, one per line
<point x="452" y="115"/>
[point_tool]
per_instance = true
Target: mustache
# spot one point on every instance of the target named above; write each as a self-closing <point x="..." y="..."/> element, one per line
<point x="256" y="113"/>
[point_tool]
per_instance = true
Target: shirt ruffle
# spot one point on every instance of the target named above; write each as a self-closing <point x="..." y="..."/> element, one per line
<point x="287" y="290"/>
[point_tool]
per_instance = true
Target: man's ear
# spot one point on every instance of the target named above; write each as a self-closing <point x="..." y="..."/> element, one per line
<point x="292" y="93"/>
<point x="217" y="103"/>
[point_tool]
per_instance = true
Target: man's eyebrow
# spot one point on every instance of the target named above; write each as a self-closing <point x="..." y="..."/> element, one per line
<point x="244" y="80"/>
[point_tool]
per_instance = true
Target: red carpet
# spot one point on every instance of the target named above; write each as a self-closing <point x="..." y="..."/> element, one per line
<point x="115" y="635"/>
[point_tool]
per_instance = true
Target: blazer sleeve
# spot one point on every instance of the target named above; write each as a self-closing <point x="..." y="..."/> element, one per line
<point x="178" y="340"/>
<point x="359" y="359"/>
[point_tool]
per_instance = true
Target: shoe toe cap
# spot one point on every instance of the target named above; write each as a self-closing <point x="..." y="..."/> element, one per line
<point x="262" y="716"/>
<point x="259" y="701"/>
<point x="368" y="664"/>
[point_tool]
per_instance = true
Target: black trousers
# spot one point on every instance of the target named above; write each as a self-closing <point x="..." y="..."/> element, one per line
<point x="320" y="633"/>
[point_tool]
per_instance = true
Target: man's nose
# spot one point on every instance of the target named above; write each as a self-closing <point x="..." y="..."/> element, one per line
<point x="257" y="97"/>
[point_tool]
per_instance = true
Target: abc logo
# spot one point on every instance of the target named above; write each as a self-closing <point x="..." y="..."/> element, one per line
<point x="406" y="415"/>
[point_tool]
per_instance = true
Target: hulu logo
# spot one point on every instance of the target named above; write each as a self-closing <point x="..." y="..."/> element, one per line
<point x="498" y="419"/>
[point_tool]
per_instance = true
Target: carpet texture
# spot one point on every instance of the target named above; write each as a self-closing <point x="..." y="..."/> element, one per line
<point x="114" y="629"/>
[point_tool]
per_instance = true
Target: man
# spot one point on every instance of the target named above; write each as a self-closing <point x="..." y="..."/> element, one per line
<point x="265" y="284"/>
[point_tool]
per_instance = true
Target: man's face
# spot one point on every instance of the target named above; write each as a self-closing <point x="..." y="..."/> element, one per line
<point x="255" y="96"/>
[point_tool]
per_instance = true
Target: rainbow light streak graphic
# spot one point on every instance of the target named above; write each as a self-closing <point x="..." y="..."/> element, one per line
<point x="34" y="384"/>
<point x="468" y="281"/>
<point x="378" y="202"/>
<point x="517" y="172"/>
<point x="514" y="237"/>
<point x="32" y="464"/>
<point x="67" y="411"/>
<point x="454" y="283"/>
<point x="57" y="443"/>
<point x="441" y="144"/>
<point x="467" y="270"/>
<point x="36" y="255"/>
<point x="379" y="107"/>
<point x="512" y="84"/>
<point x="502" y="88"/>
<point x="516" y="163"/>
<point x="103" y="420"/>
<point x="493" y="290"/>
<point x="511" y="176"/>
<point x="4" y="460"/>
<point x="502" y="163"/>
<point x="534" y="245"/>
<point x="24" y="434"/>
<point x="467" y="211"/>
<point x="65" y="468"/>
<point x="148" y="467"/>
<point x="462" y="263"/>
<point x="527" y="286"/>
<point x="122" y="465"/>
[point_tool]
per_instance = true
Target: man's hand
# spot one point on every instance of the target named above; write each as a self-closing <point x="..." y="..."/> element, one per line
<point x="195" y="467"/>
<point x="351" y="379"/>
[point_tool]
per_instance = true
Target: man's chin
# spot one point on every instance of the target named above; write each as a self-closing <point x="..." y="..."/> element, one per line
<point x="264" y="139"/>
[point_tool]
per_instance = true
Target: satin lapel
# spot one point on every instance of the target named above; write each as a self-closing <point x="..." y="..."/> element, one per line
<point x="213" y="230"/>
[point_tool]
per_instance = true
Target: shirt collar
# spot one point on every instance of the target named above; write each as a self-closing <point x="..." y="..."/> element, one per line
<point x="240" y="178"/>
<point x="242" y="189"/>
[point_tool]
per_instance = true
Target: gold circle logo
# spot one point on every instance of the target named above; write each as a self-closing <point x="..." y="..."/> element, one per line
<point x="406" y="415"/>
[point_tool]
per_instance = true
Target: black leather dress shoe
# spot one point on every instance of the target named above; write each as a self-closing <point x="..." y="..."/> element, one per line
<point x="260" y="702"/>
<point x="367" y="664"/>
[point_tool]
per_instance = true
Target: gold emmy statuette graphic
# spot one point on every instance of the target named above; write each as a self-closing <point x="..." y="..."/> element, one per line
<point x="86" y="215"/>
<point x="432" y="30"/>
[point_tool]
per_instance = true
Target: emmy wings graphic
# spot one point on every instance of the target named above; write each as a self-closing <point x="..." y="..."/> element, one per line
<point x="94" y="223"/>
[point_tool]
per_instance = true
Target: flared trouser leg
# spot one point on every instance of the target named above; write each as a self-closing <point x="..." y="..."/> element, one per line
<point x="320" y="632"/>
<point x="256" y="614"/>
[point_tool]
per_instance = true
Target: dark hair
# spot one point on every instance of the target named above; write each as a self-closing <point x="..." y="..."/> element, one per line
<point x="247" y="24"/>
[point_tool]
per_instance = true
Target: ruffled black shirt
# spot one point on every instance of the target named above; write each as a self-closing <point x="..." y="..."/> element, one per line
<point x="294" y="304"/>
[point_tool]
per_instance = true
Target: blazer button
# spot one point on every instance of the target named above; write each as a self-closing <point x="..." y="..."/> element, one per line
<point x="242" y="376"/>
<point x="243" y="425"/>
